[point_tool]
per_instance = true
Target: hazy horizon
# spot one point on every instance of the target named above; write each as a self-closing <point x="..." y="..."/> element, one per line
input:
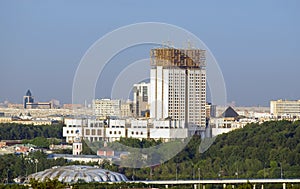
<point x="256" y="44"/>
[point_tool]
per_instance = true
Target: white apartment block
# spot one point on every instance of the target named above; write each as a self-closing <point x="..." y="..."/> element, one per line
<point x="106" y="107"/>
<point x="178" y="85"/>
<point x="285" y="108"/>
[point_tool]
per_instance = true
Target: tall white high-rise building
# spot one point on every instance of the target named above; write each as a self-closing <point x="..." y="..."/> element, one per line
<point x="178" y="85"/>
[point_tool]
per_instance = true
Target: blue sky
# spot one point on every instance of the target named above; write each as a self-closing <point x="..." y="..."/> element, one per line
<point x="256" y="43"/>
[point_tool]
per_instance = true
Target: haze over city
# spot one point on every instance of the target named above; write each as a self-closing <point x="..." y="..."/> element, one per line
<point x="256" y="43"/>
<point x="149" y="94"/>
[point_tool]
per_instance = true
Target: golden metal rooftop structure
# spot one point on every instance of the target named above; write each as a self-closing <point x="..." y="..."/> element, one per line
<point x="182" y="58"/>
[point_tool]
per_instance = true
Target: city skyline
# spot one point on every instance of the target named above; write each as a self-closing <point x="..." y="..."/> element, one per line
<point x="255" y="44"/>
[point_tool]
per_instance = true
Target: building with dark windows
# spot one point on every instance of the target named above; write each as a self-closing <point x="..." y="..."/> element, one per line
<point x="178" y="86"/>
<point x="28" y="99"/>
<point x="141" y="94"/>
<point x="28" y="102"/>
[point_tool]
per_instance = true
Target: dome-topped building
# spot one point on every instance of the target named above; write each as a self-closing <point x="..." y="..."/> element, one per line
<point x="75" y="173"/>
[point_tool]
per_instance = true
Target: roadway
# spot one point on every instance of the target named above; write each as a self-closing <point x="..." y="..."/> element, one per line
<point x="224" y="182"/>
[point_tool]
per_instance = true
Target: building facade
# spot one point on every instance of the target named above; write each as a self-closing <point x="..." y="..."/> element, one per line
<point x="126" y="109"/>
<point x="210" y="110"/>
<point x="28" y="102"/>
<point x="27" y="99"/>
<point x="106" y="107"/>
<point x="73" y="129"/>
<point x="110" y="130"/>
<point x="141" y="93"/>
<point x="285" y="108"/>
<point x="178" y="85"/>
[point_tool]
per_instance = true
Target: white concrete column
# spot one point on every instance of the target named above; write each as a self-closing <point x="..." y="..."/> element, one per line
<point x="203" y="186"/>
<point x="224" y="185"/>
<point x="167" y="186"/>
<point x="254" y="186"/>
<point x="262" y="186"/>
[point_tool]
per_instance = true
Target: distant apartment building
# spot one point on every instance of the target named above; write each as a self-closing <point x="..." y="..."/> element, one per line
<point x="55" y="103"/>
<point x="141" y="93"/>
<point x="289" y="108"/>
<point x="15" y="106"/>
<point x="72" y="106"/>
<point x="126" y="109"/>
<point x="178" y="85"/>
<point x="106" y="108"/>
<point x="210" y="110"/>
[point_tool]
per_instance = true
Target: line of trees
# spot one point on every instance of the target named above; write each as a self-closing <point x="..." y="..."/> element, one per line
<point x="269" y="150"/>
<point x="14" y="131"/>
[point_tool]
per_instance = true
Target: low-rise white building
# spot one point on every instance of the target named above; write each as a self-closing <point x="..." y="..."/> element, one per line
<point x="167" y="134"/>
<point x="167" y="130"/>
<point x="230" y="120"/>
<point x="73" y="127"/>
<point x="115" y="130"/>
<point x="112" y="130"/>
<point x="139" y="129"/>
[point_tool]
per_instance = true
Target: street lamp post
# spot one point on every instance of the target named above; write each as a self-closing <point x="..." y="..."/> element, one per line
<point x="36" y="162"/>
<point x="7" y="176"/>
<point x="237" y="171"/>
<point x="264" y="170"/>
<point x="281" y="173"/>
<point x="176" y="171"/>
<point x="193" y="172"/>
<point x="199" y="175"/>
